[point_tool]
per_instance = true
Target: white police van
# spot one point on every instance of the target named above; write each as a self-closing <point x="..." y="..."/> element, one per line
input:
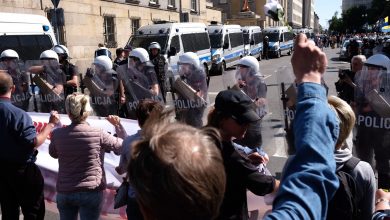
<point x="253" y="41"/>
<point x="175" y="39"/>
<point x="280" y="39"/>
<point x="28" y="34"/>
<point x="227" y="46"/>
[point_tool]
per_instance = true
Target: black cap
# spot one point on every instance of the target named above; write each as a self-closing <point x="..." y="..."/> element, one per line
<point x="128" y="48"/>
<point x="237" y="105"/>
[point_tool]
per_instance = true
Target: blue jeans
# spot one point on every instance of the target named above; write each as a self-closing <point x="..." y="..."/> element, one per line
<point x="89" y="204"/>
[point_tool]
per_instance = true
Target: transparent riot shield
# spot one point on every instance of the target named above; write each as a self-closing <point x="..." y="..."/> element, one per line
<point x="103" y="90"/>
<point x="136" y="87"/>
<point x="47" y="85"/>
<point x="288" y="91"/>
<point x="21" y="79"/>
<point x="372" y="110"/>
<point x="192" y="99"/>
<point x="252" y="84"/>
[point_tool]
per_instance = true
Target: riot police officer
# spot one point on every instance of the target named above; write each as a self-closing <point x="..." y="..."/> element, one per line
<point x="139" y="81"/>
<point x="10" y="63"/>
<point x="191" y="87"/>
<point x="160" y="66"/>
<point x="373" y="115"/>
<point x="251" y="82"/>
<point x="68" y="68"/>
<point x="102" y="83"/>
<point x="50" y="79"/>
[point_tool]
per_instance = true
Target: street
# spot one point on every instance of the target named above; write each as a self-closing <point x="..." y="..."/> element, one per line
<point x="273" y="124"/>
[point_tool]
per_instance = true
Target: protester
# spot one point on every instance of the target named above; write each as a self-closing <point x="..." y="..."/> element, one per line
<point x="177" y="171"/>
<point x="80" y="150"/>
<point x="232" y="114"/>
<point x="309" y="179"/>
<point x="144" y="109"/>
<point x="265" y="47"/>
<point x="21" y="185"/>
<point x="119" y="57"/>
<point x="362" y="173"/>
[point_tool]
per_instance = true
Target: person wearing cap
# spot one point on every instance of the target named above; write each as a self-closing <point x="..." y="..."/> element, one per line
<point x="233" y="112"/>
<point x="9" y="62"/>
<point x="69" y="69"/>
<point x="160" y="66"/>
<point x="49" y="70"/>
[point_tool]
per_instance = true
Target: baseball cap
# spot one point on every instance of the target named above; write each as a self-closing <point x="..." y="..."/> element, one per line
<point x="237" y="105"/>
<point x="128" y="48"/>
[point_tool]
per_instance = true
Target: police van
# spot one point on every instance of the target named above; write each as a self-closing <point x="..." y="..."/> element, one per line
<point x="253" y="41"/>
<point x="307" y="31"/>
<point x="28" y="34"/>
<point x="175" y="39"/>
<point x="227" y="46"/>
<point x="280" y="40"/>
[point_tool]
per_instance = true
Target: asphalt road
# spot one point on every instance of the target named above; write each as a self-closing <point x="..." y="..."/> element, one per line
<point x="273" y="124"/>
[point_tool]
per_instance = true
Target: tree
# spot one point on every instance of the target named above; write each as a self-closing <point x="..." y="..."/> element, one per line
<point x="355" y="18"/>
<point x="379" y="10"/>
<point x="336" y="24"/>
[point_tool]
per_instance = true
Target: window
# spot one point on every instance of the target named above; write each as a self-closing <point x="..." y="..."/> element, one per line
<point x="109" y="32"/>
<point x="134" y="25"/>
<point x="195" y="42"/>
<point x="236" y="39"/>
<point x="194" y="5"/>
<point x="154" y="2"/>
<point x="258" y="37"/>
<point x="172" y="3"/>
<point x="29" y="47"/>
<point x="175" y="43"/>
<point x="222" y="1"/>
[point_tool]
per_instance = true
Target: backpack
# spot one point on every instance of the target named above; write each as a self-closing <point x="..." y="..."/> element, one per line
<point x="344" y="204"/>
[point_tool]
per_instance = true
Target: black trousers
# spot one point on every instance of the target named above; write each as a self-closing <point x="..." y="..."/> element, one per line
<point x="21" y="187"/>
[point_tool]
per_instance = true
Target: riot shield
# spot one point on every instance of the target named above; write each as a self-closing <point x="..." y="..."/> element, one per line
<point x="288" y="91"/>
<point x="136" y="86"/>
<point x="252" y="84"/>
<point x="47" y="85"/>
<point x="192" y="98"/>
<point x="21" y="96"/>
<point x="103" y="90"/>
<point x="372" y="110"/>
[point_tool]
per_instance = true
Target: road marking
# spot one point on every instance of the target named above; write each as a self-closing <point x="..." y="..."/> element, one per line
<point x="267" y="76"/>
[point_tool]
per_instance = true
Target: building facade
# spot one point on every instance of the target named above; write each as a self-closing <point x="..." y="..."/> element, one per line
<point x="308" y="13"/>
<point x="295" y="8"/>
<point x="86" y="23"/>
<point x="316" y="27"/>
<point x="347" y="4"/>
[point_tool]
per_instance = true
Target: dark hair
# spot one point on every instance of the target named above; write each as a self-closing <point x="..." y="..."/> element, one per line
<point x="144" y="109"/>
<point x="215" y="117"/>
<point x="118" y="51"/>
<point x="5" y="83"/>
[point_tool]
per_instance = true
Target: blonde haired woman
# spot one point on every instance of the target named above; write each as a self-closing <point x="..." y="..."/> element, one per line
<point x="80" y="150"/>
<point x="362" y="173"/>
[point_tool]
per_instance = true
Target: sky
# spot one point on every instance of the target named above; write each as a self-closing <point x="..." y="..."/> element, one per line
<point x="325" y="9"/>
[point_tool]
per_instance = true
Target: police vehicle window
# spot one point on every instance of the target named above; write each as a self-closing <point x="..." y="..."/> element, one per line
<point x="273" y="37"/>
<point x="215" y="40"/>
<point x="202" y="41"/>
<point x="29" y="47"/>
<point x="189" y="42"/>
<point x="246" y="38"/>
<point x="226" y="39"/>
<point x="236" y="39"/>
<point x="144" y="41"/>
<point x="175" y="43"/>
<point x="257" y="38"/>
<point x="289" y="36"/>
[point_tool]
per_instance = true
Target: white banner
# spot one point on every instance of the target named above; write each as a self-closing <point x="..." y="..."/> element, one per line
<point x="49" y="165"/>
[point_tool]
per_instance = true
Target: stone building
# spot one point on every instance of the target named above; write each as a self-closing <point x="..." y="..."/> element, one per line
<point x="86" y="23"/>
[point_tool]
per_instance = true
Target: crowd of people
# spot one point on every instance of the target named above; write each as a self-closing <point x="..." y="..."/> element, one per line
<point x="178" y="167"/>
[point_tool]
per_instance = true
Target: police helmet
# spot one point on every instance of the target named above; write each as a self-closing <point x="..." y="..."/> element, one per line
<point x="49" y="54"/>
<point x="103" y="61"/>
<point x="9" y="53"/>
<point x="190" y="58"/>
<point x="379" y="60"/>
<point x="251" y="62"/>
<point x="61" y="49"/>
<point x="141" y="54"/>
<point x="154" y="45"/>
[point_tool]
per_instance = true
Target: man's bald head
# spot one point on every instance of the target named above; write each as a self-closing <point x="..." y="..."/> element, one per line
<point x="6" y="83"/>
